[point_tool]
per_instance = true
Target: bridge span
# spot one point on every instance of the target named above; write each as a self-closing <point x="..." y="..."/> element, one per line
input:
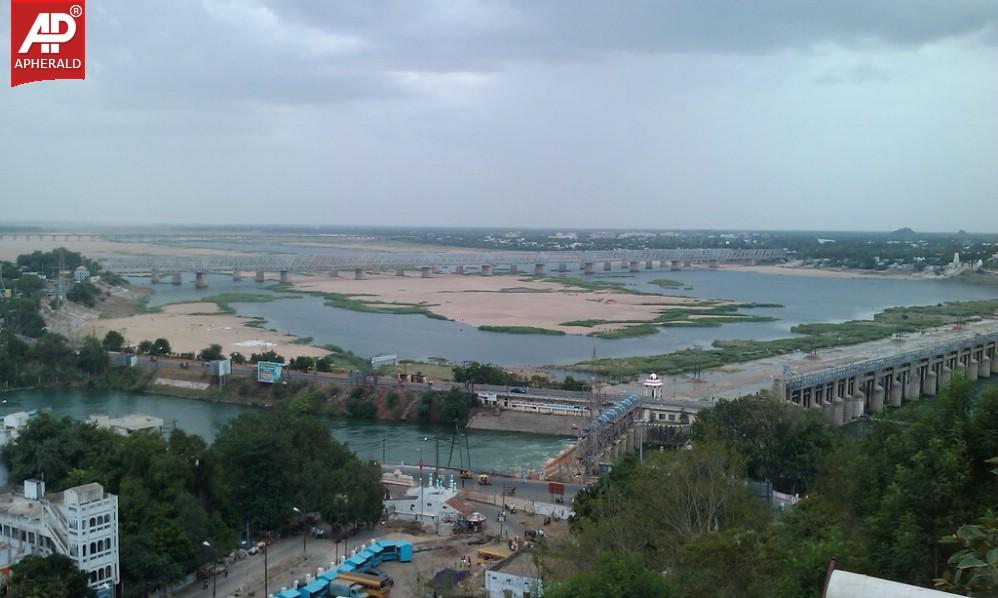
<point x="848" y="392"/>
<point x="429" y="263"/>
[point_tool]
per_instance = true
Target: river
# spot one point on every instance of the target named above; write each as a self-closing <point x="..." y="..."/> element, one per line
<point x="396" y="442"/>
<point x="805" y="299"/>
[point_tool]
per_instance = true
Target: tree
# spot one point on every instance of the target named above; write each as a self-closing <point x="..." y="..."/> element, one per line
<point x="160" y="346"/>
<point x="269" y="356"/>
<point x="83" y="293"/>
<point x="619" y="574"/>
<point x="212" y="352"/>
<point x="145" y="347"/>
<point x="780" y="442"/>
<point x="974" y="567"/>
<point x="278" y="459"/>
<point x="92" y="357"/>
<point x="54" y="576"/>
<point x="237" y="358"/>
<point x="113" y="340"/>
<point x="29" y="285"/>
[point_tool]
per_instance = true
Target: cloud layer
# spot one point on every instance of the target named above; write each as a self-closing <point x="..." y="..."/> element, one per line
<point x="775" y="114"/>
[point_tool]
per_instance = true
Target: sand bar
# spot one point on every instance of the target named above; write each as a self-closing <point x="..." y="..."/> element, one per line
<point x="189" y="330"/>
<point x="499" y="300"/>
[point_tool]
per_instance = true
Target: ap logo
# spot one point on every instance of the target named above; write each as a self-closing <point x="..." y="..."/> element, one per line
<point x="47" y="40"/>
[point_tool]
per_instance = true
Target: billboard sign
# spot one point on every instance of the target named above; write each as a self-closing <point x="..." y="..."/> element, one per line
<point x="380" y="359"/>
<point x="268" y="371"/>
<point x="221" y="367"/>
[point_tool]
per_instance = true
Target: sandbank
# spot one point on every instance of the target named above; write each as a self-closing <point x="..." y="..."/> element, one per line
<point x="500" y="300"/>
<point x="191" y="327"/>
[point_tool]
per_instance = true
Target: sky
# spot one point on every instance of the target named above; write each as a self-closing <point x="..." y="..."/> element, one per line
<point x="770" y="114"/>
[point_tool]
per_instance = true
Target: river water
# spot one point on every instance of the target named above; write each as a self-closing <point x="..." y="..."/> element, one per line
<point x="395" y="442"/>
<point x="805" y="299"/>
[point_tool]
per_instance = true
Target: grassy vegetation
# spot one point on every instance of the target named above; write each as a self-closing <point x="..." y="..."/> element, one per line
<point x="341" y="359"/>
<point x="667" y="283"/>
<point x="811" y="337"/>
<point x="589" y="285"/>
<point x="522" y="330"/>
<point x="305" y="340"/>
<point x="627" y="331"/>
<point x="352" y="303"/>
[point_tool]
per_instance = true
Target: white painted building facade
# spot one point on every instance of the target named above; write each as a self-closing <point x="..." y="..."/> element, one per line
<point x="80" y="522"/>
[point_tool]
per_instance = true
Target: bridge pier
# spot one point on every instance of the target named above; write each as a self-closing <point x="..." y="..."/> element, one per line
<point x="649" y="265"/>
<point x="713" y="264"/>
<point x="200" y="282"/>
<point x="838" y="411"/>
<point x="972" y="369"/>
<point x="877" y="403"/>
<point x="334" y="273"/>
<point x="633" y="266"/>
<point x="994" y="364"/>
<point x="563" y="267"/>
<point x="400" y="272"/>
<point x="538" y="269"/>
<point x="513" y="269"/>
<point x="607" y="266"/>
<point x="587" y="268"/>
<point x="154" y="276"/>
<point x="426" y="272"/>
<point x="459" y="270"/>
<point x="237" y="275"/>
<point x="945" y="374"/>
<point x="284" y="276"/>
<point x="175" y="279"/>
<point x="260" y="276"/>
<point x="687" y="264"/>
<point x="929" y="385"/>
<point x="675" y="265"/>
<point x="486" y="270"/>
<point x="896" y="386"/>
<point x="358" y="274"/>
<point x="855" y="405"/>
<point x="984" y="371"/>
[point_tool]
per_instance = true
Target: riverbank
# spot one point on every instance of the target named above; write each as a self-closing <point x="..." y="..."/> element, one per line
<point x="191" y="327"/>
<point x="894" y="321"/>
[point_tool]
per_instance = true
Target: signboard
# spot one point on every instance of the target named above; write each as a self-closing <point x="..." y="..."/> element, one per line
<point x="222" y="367"/>
<point x="380" y="359"/>
<point x="556" y="488"/>
<point x="268" y="372"/>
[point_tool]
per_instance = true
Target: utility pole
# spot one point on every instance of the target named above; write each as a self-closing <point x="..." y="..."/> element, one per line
<point x="384" y="448"/>
<point x="436" y="461"/>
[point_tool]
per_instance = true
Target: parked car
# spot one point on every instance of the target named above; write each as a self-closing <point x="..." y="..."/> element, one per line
<point x="519" y="391"/>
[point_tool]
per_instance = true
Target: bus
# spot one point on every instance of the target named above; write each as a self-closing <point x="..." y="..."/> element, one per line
<point x="377" y="585"/>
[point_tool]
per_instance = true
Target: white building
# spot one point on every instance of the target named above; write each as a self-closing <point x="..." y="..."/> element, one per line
<point x="13" y="423"/>
<point x="128" y="424"/>
<point x="80" y="522"/>
<point x="432" y="503"/>
<point x="81" y="273"/>
<point x="514" y="577"/>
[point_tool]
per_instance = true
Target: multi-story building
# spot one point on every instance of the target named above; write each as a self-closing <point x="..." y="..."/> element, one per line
<point x="79" y="522"/>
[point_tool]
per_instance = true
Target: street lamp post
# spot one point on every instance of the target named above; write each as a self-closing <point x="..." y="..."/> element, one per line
<point x="214" y="587"/>
<point x="304" y="536"/>
<point x="265" y="567"/>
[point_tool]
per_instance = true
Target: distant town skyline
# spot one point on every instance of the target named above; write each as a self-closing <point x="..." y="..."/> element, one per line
<point x="711" y="115"/>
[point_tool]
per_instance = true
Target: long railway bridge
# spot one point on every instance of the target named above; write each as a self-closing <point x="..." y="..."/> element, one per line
<point x="429" y="263"/>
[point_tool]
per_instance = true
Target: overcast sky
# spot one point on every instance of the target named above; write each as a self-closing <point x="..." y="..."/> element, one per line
<point x="845" y="114"/>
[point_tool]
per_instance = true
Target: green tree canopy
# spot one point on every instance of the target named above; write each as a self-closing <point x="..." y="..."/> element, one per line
<point x="277" y="460"/>
<point x="53" y="576"/>
<point x="113" y="340"/>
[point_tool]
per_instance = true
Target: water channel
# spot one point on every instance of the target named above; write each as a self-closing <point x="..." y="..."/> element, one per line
<point x="505" y="452"/>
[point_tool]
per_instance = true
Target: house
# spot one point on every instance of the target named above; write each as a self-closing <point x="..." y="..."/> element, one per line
<point x="81" y="273"/>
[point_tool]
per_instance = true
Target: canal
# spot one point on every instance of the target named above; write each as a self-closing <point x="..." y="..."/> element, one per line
<point x="506" y="452"/>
